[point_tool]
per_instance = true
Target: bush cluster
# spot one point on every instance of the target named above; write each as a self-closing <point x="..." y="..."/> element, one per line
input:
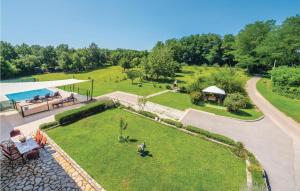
<point x="235" y="101"/>
<point x="82" y="112"/>
<point x="286" y="81"/>
<point x="208" y="134"/>
<point x="48" y="125"/>
<point x="196" y="97"/>
<point x="173" y="122"/>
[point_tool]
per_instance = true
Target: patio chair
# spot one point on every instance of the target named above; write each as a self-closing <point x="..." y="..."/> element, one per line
<point x="9" y="149"/>
<point x="34" y="154"/>
<point x="11" y="156"/>
<point x="38" y="136"/>
<point x="42" y="143"/>
<point x="15" y="132"/>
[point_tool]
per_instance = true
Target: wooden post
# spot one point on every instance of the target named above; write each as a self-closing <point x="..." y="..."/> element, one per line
<point x="92" y="91"/>
<point x="48" y="105"/>
<point x="23" y="115"/>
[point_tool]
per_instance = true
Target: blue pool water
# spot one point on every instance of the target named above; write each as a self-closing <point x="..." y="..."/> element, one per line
<point x="28" y="94"/>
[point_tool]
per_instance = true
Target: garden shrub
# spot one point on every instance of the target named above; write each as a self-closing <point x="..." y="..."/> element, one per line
<point x="48" y="125"/>
<point x="240" y="151"/>
<point x="148" y="114"/>
<point x="183" y="89"/>
<point x="196" y="97"/>
<point x="286" y="81"/>
<point x="235" y="101"/>
<point x="256" y="172"/>
<point x="208" y="134"/>
<point x="82" y="112"/>
<point x="173" y="122"/>
<point x="168" y="87"/>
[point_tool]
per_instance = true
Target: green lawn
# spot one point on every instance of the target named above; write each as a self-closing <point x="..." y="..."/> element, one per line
<point x="113" y="78"/>
<point x="179" y="161"/>
<point x="182" y="101"/>
<point x="290" y="107"/>
<point x="107" y="80"/>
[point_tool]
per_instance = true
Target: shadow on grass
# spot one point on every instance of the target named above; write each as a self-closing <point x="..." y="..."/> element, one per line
<point x="146" y="154"/>
<point x="133" y="140"/>
<point x="241" y="113"/>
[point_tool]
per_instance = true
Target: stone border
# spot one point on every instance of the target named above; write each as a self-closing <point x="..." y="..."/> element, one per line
<point x="82" y="172"/>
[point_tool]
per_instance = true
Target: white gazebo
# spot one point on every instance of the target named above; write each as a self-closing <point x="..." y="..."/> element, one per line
<point x="213" y="93"/>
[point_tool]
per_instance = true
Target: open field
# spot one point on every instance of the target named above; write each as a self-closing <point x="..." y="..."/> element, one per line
<point x="182" y="101"/>
<point x="177" y="161"/>
<point x="290" y="107"/>
<point x="113" y="78"/>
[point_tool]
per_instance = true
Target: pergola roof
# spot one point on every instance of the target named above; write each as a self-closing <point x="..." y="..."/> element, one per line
<point x="214" y="90"/>
<point x="15" y="87"/>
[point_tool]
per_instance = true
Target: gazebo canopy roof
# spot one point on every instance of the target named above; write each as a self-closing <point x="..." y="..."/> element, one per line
<point x="15" y="87"/>
<point x="214" y="90"/>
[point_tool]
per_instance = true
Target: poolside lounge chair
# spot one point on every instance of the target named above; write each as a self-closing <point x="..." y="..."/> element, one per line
<point x="35" y="99"/>
<point x="71" y="98"/>
<point x="56" y="95"/>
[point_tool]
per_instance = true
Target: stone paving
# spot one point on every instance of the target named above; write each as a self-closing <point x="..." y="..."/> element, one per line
<point x="50" y="172"/>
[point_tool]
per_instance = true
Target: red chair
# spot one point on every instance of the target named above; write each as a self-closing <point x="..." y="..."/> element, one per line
<point x="15" y="132"/>
<point x="43" y="142"/>
<point x="38" y="136"/>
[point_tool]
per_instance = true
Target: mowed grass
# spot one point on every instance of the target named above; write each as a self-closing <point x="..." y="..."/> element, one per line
<point x="182" y="101"/>
<point x="291" y="107"/>
<point x="113" y="78"/>
<point x="106" y="80"/>
<point x="178" y="161"/>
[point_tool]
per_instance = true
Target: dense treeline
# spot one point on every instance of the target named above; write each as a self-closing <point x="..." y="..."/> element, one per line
<point x="257" y="47"/>
<point x="23" y="59"/>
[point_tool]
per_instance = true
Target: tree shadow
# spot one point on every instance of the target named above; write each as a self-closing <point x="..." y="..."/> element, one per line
<point x="241" y="113"/>
<point x="133" y="140"/>
<point x="146" y="154"/>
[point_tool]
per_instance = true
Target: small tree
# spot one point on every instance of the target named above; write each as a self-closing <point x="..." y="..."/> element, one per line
<point x="123" y="127"/>
<point x="235" y="101"/>
<point x="125" y="63"/>
<point x="142" y="102"/>
<point x="196" y="97"/>
<point x="133" y="74"/>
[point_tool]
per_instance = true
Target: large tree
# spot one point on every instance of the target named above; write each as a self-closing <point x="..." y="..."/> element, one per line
<point x="160" y="63"/>
<point x="248" y="40"/>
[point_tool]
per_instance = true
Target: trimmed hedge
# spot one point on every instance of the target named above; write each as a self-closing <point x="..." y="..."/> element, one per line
<point x="148" y="114"/>
<point x="208" y="134"/>
<point x="173" y="122"/>
<point x="48" y="125"/>
<point x="82" y="112"/>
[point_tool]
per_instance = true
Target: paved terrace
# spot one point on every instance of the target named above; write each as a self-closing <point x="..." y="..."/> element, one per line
<point x="52" y="171"/>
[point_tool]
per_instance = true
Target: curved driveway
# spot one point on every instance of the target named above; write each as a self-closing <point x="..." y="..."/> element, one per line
<point x="275" y="140"/>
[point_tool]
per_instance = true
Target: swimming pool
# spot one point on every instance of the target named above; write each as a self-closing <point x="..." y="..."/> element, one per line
<point x="28" y="94"/>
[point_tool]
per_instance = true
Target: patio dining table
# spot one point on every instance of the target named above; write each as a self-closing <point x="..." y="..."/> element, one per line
<point x="25" y="147"/>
